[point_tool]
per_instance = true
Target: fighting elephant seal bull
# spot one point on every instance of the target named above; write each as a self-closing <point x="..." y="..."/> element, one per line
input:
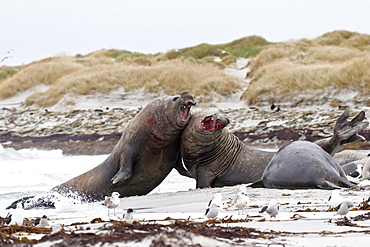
<point x="146" y="153"/>
<point x="216" y="158"/>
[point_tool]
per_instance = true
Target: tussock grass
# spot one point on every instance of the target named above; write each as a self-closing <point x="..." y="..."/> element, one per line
<point x="193" y="69"/>
<point x="46" y="72"/>
<point x="289" y="72"/>
<point x="170" y="77"/>
<point x="280" y="72"/>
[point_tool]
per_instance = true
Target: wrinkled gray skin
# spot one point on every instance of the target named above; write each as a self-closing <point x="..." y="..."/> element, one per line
<point x="304" y="165"/>
<point x="146" y="153"/>
<point x="216" y="158"/>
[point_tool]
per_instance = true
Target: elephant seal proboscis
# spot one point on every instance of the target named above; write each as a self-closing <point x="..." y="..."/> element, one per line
<point x="146" y="153"/>
<point x="216" y="158"/>
<point x="304" y="165"/>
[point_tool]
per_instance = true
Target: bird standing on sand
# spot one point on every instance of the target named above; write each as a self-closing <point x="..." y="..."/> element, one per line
<point x="212" y="211"/>
<point x="344" y="208"/>
<point x="129" y="216"/>
<point x="335" y="199"/>
<point x="16" y="218"/>
<point x="242" y="199"/>
<point x="355" y="175"/>
<point x="112" y="202"/>
<point x="42" y="222"/>
<point x="272" y="209"/>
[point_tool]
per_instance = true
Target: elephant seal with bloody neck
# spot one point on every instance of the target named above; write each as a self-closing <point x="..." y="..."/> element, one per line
<point x="146" y="153"/>
<point x="216" y="158"/>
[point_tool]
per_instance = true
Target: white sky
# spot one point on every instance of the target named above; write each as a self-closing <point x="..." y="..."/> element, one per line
<point x="36" y="29"/>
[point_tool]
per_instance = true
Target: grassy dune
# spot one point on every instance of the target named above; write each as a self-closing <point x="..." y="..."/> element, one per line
<point x="321" y="70"/>
<point x="292" y="73"/>
<point x="193" y="69"/>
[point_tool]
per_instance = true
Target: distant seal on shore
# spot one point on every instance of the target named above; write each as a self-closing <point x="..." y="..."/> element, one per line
<point x="215" y="157"/>
<point x="146" y="153"/>
<point x="304" y="165"/>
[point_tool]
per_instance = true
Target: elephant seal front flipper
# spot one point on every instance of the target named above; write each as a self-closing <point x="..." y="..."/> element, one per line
<point x="125" y="163"/>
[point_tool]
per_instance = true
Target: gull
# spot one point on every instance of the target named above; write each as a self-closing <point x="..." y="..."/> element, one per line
<point x="272" y="209"/>
<point x="129" y="216"/>
<point x="242" y="199"/>
<point x="16" y="218"/>
<point x="212" y="211"/>
<point x="343" y="208"/>
<point x="112" y="202"/>
<point x="42" y="222"/>
<point x="179" y="51"/>
<point x="335" y="199"/>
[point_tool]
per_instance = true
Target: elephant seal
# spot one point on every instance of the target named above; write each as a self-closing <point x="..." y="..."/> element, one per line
<point x="215" y="157"/>
<point x="146" y="153"/>
<point x="304" y="165"/>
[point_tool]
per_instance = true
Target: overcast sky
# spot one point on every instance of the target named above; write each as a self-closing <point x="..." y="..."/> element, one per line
<point x="35" y="29"/>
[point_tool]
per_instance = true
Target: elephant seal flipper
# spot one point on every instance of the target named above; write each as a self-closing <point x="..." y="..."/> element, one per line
<point x="327" y="185"/>
<point x="125" y="163"/>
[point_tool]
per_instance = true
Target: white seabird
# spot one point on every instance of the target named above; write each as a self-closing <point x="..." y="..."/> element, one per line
<point x="335" y="198"/>
<point x="43" y="222"/>
<point x="16" y="218"/>
<point x="129" y="216"/>
<point x="344" y="208"/>
<point x="212" y="211"/>
<point x="112" y="202"/>
<point x="242" y="199"/>
<point x="355" y="175"/>
<point x="272" y="209"/>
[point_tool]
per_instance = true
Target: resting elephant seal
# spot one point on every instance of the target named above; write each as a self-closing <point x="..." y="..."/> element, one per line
<point x="304" y="165"/>
<point x="146" y="153"/>
<point x="216" y="158"/>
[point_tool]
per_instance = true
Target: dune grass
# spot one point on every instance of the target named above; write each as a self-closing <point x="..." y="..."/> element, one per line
<point x="294" y="71"/>
<point x="193" y="68"/>
<point x="306" y="69"/>
<point x="170" y="77"/>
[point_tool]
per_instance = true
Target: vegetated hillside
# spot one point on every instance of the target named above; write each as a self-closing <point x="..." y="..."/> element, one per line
<point x="197" y="69"/>
<point x="333" y="68"/>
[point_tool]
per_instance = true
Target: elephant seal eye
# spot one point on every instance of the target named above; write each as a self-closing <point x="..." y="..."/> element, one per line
<point x="175" y="98"/>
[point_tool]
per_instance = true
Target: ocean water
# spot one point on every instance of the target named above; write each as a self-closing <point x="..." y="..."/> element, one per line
<point x="32" y="172"/>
